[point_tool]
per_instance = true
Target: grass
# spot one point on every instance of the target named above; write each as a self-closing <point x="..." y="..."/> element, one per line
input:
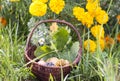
<point x="100" y="66"/>
<point x="10" y="59"/>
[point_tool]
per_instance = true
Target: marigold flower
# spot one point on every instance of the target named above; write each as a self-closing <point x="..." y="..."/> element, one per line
<point x="98" y="31"/>
<point x="3" y="21"/>
<point x="87" y="20"/>
<point x="93" y="8"/>
<point x="90" y="45"/>
<point x="38" y="8"/>
<point x="78" y="12"/>
<point x="102" y="44"/>
<point x="95" y="12"/>
<point x="102" y="17"/>
<point x="118" y="37"/>
<point x="83" y="16"/>
<point x="109" y="41"/>
<point x="118" y="18"/>
<point x="43" y="1"/>
<point x="56" y="5"/>
<point x="92" y="5"/>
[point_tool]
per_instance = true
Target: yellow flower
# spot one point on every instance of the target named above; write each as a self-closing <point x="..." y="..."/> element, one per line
<point x="78" y="12"/>
<point x="109" y="41"/>
<point x="90" y="45"/>
<point x="97" y="31"/>
<point x="38" y="8"/>
<point x="93" y="8"/>
<point x="54" y="27"/>
<point x="92" y="5"/>
<point x="43" y="1"/>
<point x="102" y="44"/>
<point x="14" y="0"/>
<point x="118" y="18"/>
<point x="102" y="17"/>
<point x="56" y="5"/>
<point x="87" y="20"/>
<point x="83" y="16"/>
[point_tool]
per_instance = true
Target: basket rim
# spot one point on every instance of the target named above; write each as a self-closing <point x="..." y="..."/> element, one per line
<point x="79" y="54"/>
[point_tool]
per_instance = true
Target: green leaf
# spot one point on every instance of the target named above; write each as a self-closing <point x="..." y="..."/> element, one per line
<point x="74" y="50"/>
<point x="65" y="54"/>
<point x="42" y="49"/>
<point x="45" y="51"/>
<point x="70" y="54"/>
<point x="60" y="38"/>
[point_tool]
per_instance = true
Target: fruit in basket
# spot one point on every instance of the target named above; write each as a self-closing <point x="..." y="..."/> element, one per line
<point x="53" y="60"/>
<point x="50" y="64"/>
<point x="62" y="62"/>
<point x="42" y="62"/>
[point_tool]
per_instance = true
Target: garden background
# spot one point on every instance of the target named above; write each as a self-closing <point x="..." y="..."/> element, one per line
<point x="100" y="47"/>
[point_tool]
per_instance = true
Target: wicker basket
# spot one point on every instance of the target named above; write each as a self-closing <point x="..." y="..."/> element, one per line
<point x="43" y="72"/>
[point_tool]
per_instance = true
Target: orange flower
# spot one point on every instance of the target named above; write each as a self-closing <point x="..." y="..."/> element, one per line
<point x="118" y="18"/>
<point x="3" y="21"/>
<point x="118" y="37"/>
<point x="109" y="41"/>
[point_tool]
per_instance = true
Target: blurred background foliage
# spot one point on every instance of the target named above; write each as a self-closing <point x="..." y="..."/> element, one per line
<point x="18" y="13"/>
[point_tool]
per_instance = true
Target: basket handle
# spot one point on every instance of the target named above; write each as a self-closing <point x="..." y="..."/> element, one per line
<point x="76" y="61"/>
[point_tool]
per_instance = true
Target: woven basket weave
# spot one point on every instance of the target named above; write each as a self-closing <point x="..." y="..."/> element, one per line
<point x="43" y="72"/>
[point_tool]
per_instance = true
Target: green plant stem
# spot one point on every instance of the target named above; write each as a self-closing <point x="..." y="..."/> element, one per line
<point x="116" y="32"/>
<point x="87" y="58"/>
<point x="111" y="1"/>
